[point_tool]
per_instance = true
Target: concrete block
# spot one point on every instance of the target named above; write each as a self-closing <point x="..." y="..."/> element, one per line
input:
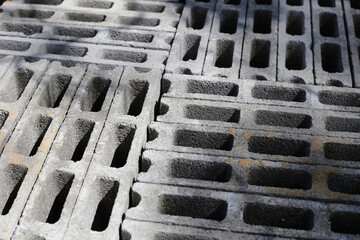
<point x="295" y="56"/>
<point x="259" y="58"/>
<point x="242" y="213"/>
<point x="331" y="57"/>
<point x="83" y="52"/>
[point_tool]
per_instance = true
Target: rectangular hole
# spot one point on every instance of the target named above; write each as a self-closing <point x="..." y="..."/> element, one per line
<point x="260" y="53"/>
<point x="107" y="191"/>
<point x="331" y="58"/>
<point x="344" y="183"/>
<point x="194" y="207"/>
<point x="295" y="56"/>
<point x="326" y="3"/>
<point x="262" y="21"/>
<point x="190" y="47"/>
<point x="205" y="140"/>
<point x="212" y="113"/>
<point x="345" y="222"/>
<point x="232" y="2"/>
<point x="95" y="4"/>
<point x="339" y="124"/>
<point x="75" y="32"/>
<point x="142" y="7"/>
<point x="279" y="146"/>
<point x="356" y="20"/>
<point x="213" y="88"/>
<point x="3" y="116"/>
<point x="59" y="49"/>
<point x="139" y="21"/>
<point x="125" y="56"/>
<point x="200" y="170"/>
<point x="228" y="21"/>
<point x="174" y="236"/>
<point x="329" y="25"/>
<point x="340" y="98"/>
<point x="263" y="2"/>
<point x="278" y="216"/>
<point x="197" y="18"/>
<point x="341" y="151"/>
<point x="131" y="37"/>
<point x="280" y="177"/>
<point x="94" y="98"/>
<point x="283" y="119"/>
<point x="134" y="99"/>
<point x="355" y="4"/>
<point x="295" y="23"/>
<point x="53" y="197"/>
<point x="278" y="93"/>
<point x="295" y="2"/>
<point x="44" y="2"/>
<point x="224" y="53"/>
<point x="124" y="137"/>
<point x="85" y="17"/>
<point x="14" y="45"/>
<point x="15" y="84"/>
<point x="76" y="140"/>
<point x="54" y="90"/>
<point x="12" y="177"/>
<point x="32" y="136"/>
<point x="26" y="29"/>
<point x="24" y="13"/>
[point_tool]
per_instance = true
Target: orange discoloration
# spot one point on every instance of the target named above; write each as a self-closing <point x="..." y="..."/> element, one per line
<point x="234" y="182"/>
<point x="272" y="134"/>
<point x="45" y="144"/>
<point x="12" y="113"/>
<point x="248" y="134"/>
<point x="49" y="112"/>
<point x="334" y="139"/>
<point x="231" y="130"/>
<point x="262" y="163"/>
<point x="219" y="131"/>
<point x="228" y="160"/>
<point x="238" y="148"/>
<point x="317" y="144"/>
<point x="285" y="164"/>
<point x="53" y="130"/>
<point x="5" y="229"/>
<point x="244" y="163"/>
<point x="14" y="157"/>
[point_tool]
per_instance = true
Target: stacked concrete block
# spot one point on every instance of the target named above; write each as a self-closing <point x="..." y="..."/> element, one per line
<point x="295" y="57"/>
<point x="152" y="231"/>
<point x="82" y="52"/>
<point x="259" y="58"/>
<point x="188" y="51"/>
<point x="148" y="15"/>
<point x="28" y="147"/>
<point x="331" y="57"/>
<point x="352" y="13"/>
<point x="243" y="213"/>
<point x="260" y="117"/>
<point x="226" y="40"/>
<point x="84" y="34"/>
<point x="261" y="92"/>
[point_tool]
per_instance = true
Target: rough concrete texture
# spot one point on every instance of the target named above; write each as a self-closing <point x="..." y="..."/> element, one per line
<point x="179" y="119"/>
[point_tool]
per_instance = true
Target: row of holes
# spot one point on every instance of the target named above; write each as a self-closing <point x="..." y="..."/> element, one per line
<point x="258" y="176"/>
<point x="77" y="32"/>
<point x="57" y="189"/>
<point x="262" y="145"/>
<point x="74" y="51"/>
<point x="254" y="213"/>
<point x="266" y="92"/>
<point x="271" y="118"/>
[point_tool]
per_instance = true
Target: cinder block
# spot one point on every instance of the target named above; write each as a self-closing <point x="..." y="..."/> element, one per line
<point x="295" y="56"/>
<point x="331" y="57"/>
<point x="259" y="58"/>
<point x="159" y="16"/>
<point x="88" y="34"/>
<point x="252" y="176"/>
<point x="152" y="231"/>
<point x="226" y="41"/>
<point x="351" y="12"/>
<point x="242" y="213"/>
<point x="188" y="51"/>
<point x="261" y="92"/>
<point x="83" y="52"/>
<point x="260" y="117"/>
<point x="255" y="144"/>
